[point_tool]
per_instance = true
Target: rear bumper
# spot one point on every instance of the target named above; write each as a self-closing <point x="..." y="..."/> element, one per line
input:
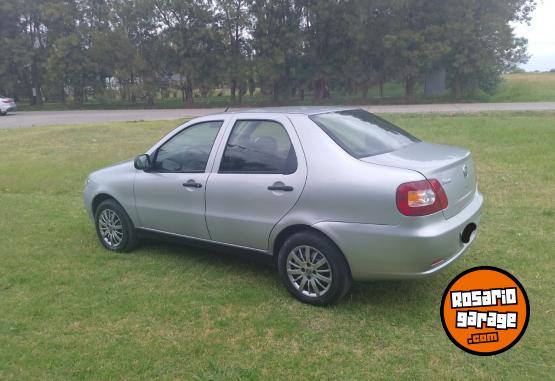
<point x="406" y="250"/>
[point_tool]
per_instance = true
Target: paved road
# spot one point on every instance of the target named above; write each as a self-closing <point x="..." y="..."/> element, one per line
<point x="42" y="118"/>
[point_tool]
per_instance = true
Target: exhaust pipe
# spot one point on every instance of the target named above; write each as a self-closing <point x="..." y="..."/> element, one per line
<point x="466" y="234"/>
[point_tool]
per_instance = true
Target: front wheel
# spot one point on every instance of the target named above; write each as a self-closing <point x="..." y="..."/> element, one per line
<point x="313" y="269"/>
<point x="114" y="228"/>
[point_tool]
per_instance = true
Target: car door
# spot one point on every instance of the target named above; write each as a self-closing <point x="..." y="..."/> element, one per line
<point x="171" y="196"/>
<point x="258" y="177"/>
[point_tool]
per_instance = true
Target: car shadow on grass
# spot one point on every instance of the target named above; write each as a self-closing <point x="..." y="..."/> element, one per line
<point x="218" y="255"/>
<point x="378" y="293"/>
<point x="386" y="292"/>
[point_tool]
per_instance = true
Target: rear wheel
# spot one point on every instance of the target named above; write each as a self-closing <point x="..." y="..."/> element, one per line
<point x="313" y="269"/>
<point x="114" y="228"/>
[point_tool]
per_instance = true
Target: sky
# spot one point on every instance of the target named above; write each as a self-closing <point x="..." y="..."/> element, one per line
<point x="541" y="37"/>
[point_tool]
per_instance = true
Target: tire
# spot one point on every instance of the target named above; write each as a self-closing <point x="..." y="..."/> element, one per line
<point x="114" y="228"/>
<point x="4" y="113"/>
<point x="307" y="282"/>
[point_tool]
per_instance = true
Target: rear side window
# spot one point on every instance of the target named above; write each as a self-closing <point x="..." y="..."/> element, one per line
<point x="363" y="134"/>
<point x="258" y="146"/>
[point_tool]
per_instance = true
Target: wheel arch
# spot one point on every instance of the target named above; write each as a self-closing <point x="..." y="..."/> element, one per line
<point x="293" y="229"/>
<point x="127" y="223"/>
<point x="101" y="197"/>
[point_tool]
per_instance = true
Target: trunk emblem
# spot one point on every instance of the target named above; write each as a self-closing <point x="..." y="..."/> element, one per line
<point x="465" y="170"/>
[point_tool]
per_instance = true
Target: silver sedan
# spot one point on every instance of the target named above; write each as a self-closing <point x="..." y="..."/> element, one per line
<point x="7" y="104"/>
<point x="332" y="194"/>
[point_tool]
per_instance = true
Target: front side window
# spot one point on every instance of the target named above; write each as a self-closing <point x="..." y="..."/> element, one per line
<point x="258" y="146"/>
<point x="363" y="134"/>
<point x="188" y="151"/>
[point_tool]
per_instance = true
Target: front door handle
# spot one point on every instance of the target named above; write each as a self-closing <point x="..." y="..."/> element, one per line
<point x="276" y="187"/>
<point x="192" y="184"/>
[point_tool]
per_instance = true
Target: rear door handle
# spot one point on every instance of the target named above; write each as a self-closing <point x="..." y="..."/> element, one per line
<point x="192" y="184"/>
<point x="285" y="188"/>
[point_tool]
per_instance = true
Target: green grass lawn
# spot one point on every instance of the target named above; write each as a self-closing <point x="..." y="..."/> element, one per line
<point x="71" y="310"/>
<point x="526" y="87"/>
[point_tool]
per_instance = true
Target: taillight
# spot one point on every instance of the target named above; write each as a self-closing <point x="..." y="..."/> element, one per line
<point x="420" y="198"/>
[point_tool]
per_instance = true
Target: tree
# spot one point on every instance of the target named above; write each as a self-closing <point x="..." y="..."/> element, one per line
<point x="369" y="22"/>
<point x="188" y="28"/>
<point x="482" y="42"/>
<point x="34" y="40"/>
<point x="414" y="42"/>
<point x="15" y="59"/>
<point x="327" y="42"/>
<point x="234" y="21"/>
<point x="67" y="61"/>
<point x="54" y="48"/>
<point x="277" y="43"/>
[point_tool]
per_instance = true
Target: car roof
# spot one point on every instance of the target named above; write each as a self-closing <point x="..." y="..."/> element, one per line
<point x="305" y="110"/>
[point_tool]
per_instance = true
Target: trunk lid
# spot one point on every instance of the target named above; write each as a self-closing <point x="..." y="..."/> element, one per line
<point x="451" y="166"/>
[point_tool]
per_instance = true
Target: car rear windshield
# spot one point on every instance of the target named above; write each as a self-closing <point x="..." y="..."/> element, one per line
<point x="363" y="134"/>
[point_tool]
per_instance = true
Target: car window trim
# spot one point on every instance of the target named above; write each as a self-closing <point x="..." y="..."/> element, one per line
<point x="155" y="155"/>
<point x="237" y="120"/>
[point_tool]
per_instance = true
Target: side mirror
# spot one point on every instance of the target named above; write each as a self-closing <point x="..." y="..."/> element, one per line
<point x="142" y="162"/>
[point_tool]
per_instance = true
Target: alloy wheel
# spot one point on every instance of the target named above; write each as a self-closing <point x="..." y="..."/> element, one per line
<point x="111" y="228"/>
<point x="309" y="271"/>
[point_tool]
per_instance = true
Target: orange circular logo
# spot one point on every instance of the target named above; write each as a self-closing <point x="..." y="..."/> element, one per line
<point x="485" y="310"/>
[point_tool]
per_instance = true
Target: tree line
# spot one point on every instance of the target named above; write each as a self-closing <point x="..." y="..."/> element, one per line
<point x="52" y="49"/>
